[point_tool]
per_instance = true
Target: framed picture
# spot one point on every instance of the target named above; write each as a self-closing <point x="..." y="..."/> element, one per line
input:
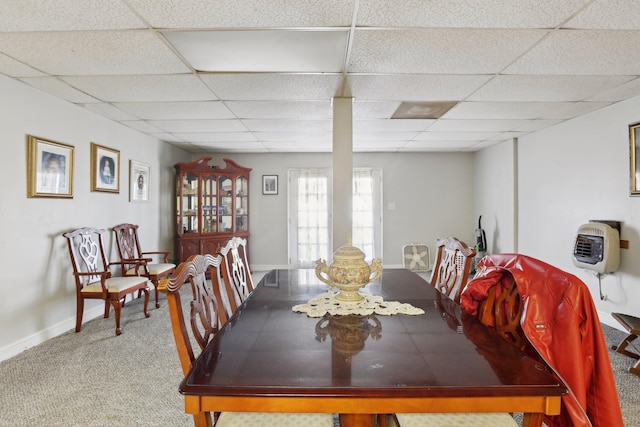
<point x="269" y="184"/>
<point x="49" y="168"/>
<point x="105" y="169"/>
<point x="139" y="181"/>
<point x="634" y="141"/>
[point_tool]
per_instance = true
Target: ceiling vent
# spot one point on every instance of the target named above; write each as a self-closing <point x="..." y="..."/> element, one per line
<point x="423" y="110"/>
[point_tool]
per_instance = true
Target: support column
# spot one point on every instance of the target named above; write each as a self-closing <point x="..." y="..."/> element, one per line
<point x="342" y="170"/>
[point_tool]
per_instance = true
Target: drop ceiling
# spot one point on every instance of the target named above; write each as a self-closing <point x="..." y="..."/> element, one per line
<point x="259" y="75"/>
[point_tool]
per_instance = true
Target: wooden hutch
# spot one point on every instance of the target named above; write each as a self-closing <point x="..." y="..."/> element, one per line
<point x="212" y="206"/>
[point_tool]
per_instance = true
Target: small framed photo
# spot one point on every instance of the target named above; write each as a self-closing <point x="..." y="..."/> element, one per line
<point x="49" y="168"/>
<point x="105" y="169"/>
<point x="269" y="184"/>
<point x="139" y="181"/>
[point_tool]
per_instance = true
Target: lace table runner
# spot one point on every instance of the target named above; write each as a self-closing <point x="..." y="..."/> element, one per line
<point x="372" y="304"/>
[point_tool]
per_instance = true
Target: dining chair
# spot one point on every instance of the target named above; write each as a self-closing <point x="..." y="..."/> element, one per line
<point x="93" y="276"/>
<point x="196" y="320"/>
<point x="236" y="272"/>
<point x="451" y="269"/>
<point x="136" y="262"/>
<point x="501" y="310"/>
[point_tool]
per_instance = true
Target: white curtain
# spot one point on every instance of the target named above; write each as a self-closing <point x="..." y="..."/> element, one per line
<point x="310" y="207"/>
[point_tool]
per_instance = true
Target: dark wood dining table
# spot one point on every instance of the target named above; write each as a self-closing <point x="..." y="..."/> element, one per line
<point x="268" y="358"/>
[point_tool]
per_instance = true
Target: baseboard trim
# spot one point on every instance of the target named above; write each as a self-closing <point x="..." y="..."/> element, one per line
<point x="39" y="337"/>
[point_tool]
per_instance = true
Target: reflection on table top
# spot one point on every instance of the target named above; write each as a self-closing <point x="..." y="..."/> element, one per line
<point x="268" y="350"/>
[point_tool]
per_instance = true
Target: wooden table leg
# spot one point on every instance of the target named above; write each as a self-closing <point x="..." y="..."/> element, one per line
<point x="357" y="420"/>
<point x="532" y="420"/>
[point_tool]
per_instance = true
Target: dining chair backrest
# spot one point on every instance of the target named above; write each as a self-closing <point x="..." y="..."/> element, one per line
<point x="199" y="318"/>
<point x="196" y="321"/>
<point x="502" y="310"/>
<point x="236" y="272"/>
<point x="137" y="262"/>
<point x="93" y="275"/>
<point x="451" y="269"/>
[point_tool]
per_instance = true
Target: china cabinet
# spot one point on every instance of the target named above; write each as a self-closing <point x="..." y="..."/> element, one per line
<point x="212" y="206"/>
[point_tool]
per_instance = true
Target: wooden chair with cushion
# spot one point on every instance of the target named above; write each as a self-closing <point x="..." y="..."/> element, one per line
<point x="451" y="269"/>
<point x="196" y="320"/>
<point x="632" y="325"/>
<point x="236" y="272"/>
<point x="501" y="310"/>
<point x="93" y="276"/>
<point x="136" y="262"/>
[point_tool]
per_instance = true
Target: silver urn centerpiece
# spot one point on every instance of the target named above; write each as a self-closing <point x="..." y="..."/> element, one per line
<point x="348" y="272"/>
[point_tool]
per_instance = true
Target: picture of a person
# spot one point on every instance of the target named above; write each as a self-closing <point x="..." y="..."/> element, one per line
<point x="140" y="182"/>
<point x="107" y="170"/>
<point x="52" y="176"/>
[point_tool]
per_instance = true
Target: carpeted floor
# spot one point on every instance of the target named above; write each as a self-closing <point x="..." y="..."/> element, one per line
<point x="94" y="378"/>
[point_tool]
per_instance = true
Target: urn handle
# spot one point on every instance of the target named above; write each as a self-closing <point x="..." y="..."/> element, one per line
<point x="322" y="267"/>
<point x="376" y="269"/>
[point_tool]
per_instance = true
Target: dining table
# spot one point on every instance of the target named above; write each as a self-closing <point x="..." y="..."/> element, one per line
<point x="269" y="358"/>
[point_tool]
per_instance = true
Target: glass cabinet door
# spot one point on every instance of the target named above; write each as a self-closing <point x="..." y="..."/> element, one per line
<point x="225" y="198"/>
<point x="188" y="204"/>
<point x="209" y="205"/>
<point x="242" y="203"/>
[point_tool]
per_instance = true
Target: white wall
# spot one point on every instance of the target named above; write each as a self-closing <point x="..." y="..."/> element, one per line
<point x="571" y="173"/>
<point x="495" y="179"/>
<point x="37" y="288"/>
<point x="432" y="193"/>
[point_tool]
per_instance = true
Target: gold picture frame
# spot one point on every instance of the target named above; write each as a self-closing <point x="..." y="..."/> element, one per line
<point x="105" y="169"/>
<point x="49" y="168"/>
<point x="634" y="142"/>
<point x="139" y="181"/>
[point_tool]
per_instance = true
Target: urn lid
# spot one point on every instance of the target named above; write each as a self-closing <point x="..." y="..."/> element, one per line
<point x="348" y="252"/>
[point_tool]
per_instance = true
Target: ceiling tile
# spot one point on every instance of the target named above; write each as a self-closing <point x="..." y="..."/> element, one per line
<point x="179" y="87"/>
<point x="13" y="68"/>
<point x="244" y="14"/>
<point x="450" y="125"/>
<point x="233" y="147"/>
<point x="60" y="89"/>
<point x="251" y="86"/>
<point x="288" y="125"/>
<point x="176" y="110"/>
<point x="164" y="136"/>
<point x="92" y="52"/>
<point x="415" y="87"/>
<point x="199" y="125"/>
<point x="435" y="145"/>
<point x="62" y="15"/>
<point x="620" y="93"/>
<point x="545" y="88"/>
<point x="456" y="136"/>
<point x="607" y="14"/>
<point x="297" y="146"/>
<point x="262" y="50"/>
<point x="384" y="136"/>
<point x="396" y="125"/>
<point x="567" y="52"/>
<point x="109" y="111"/>
<point x="439" y="51"/>
<point x="140" y="125"/>
<point x="197" y="137"/>
<point x="281" y="109"/>
<point x="319" y="136"/>
<point x="521" y="110"/>
<point x="464" y="13"/>
<point x="363" y="110"/>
